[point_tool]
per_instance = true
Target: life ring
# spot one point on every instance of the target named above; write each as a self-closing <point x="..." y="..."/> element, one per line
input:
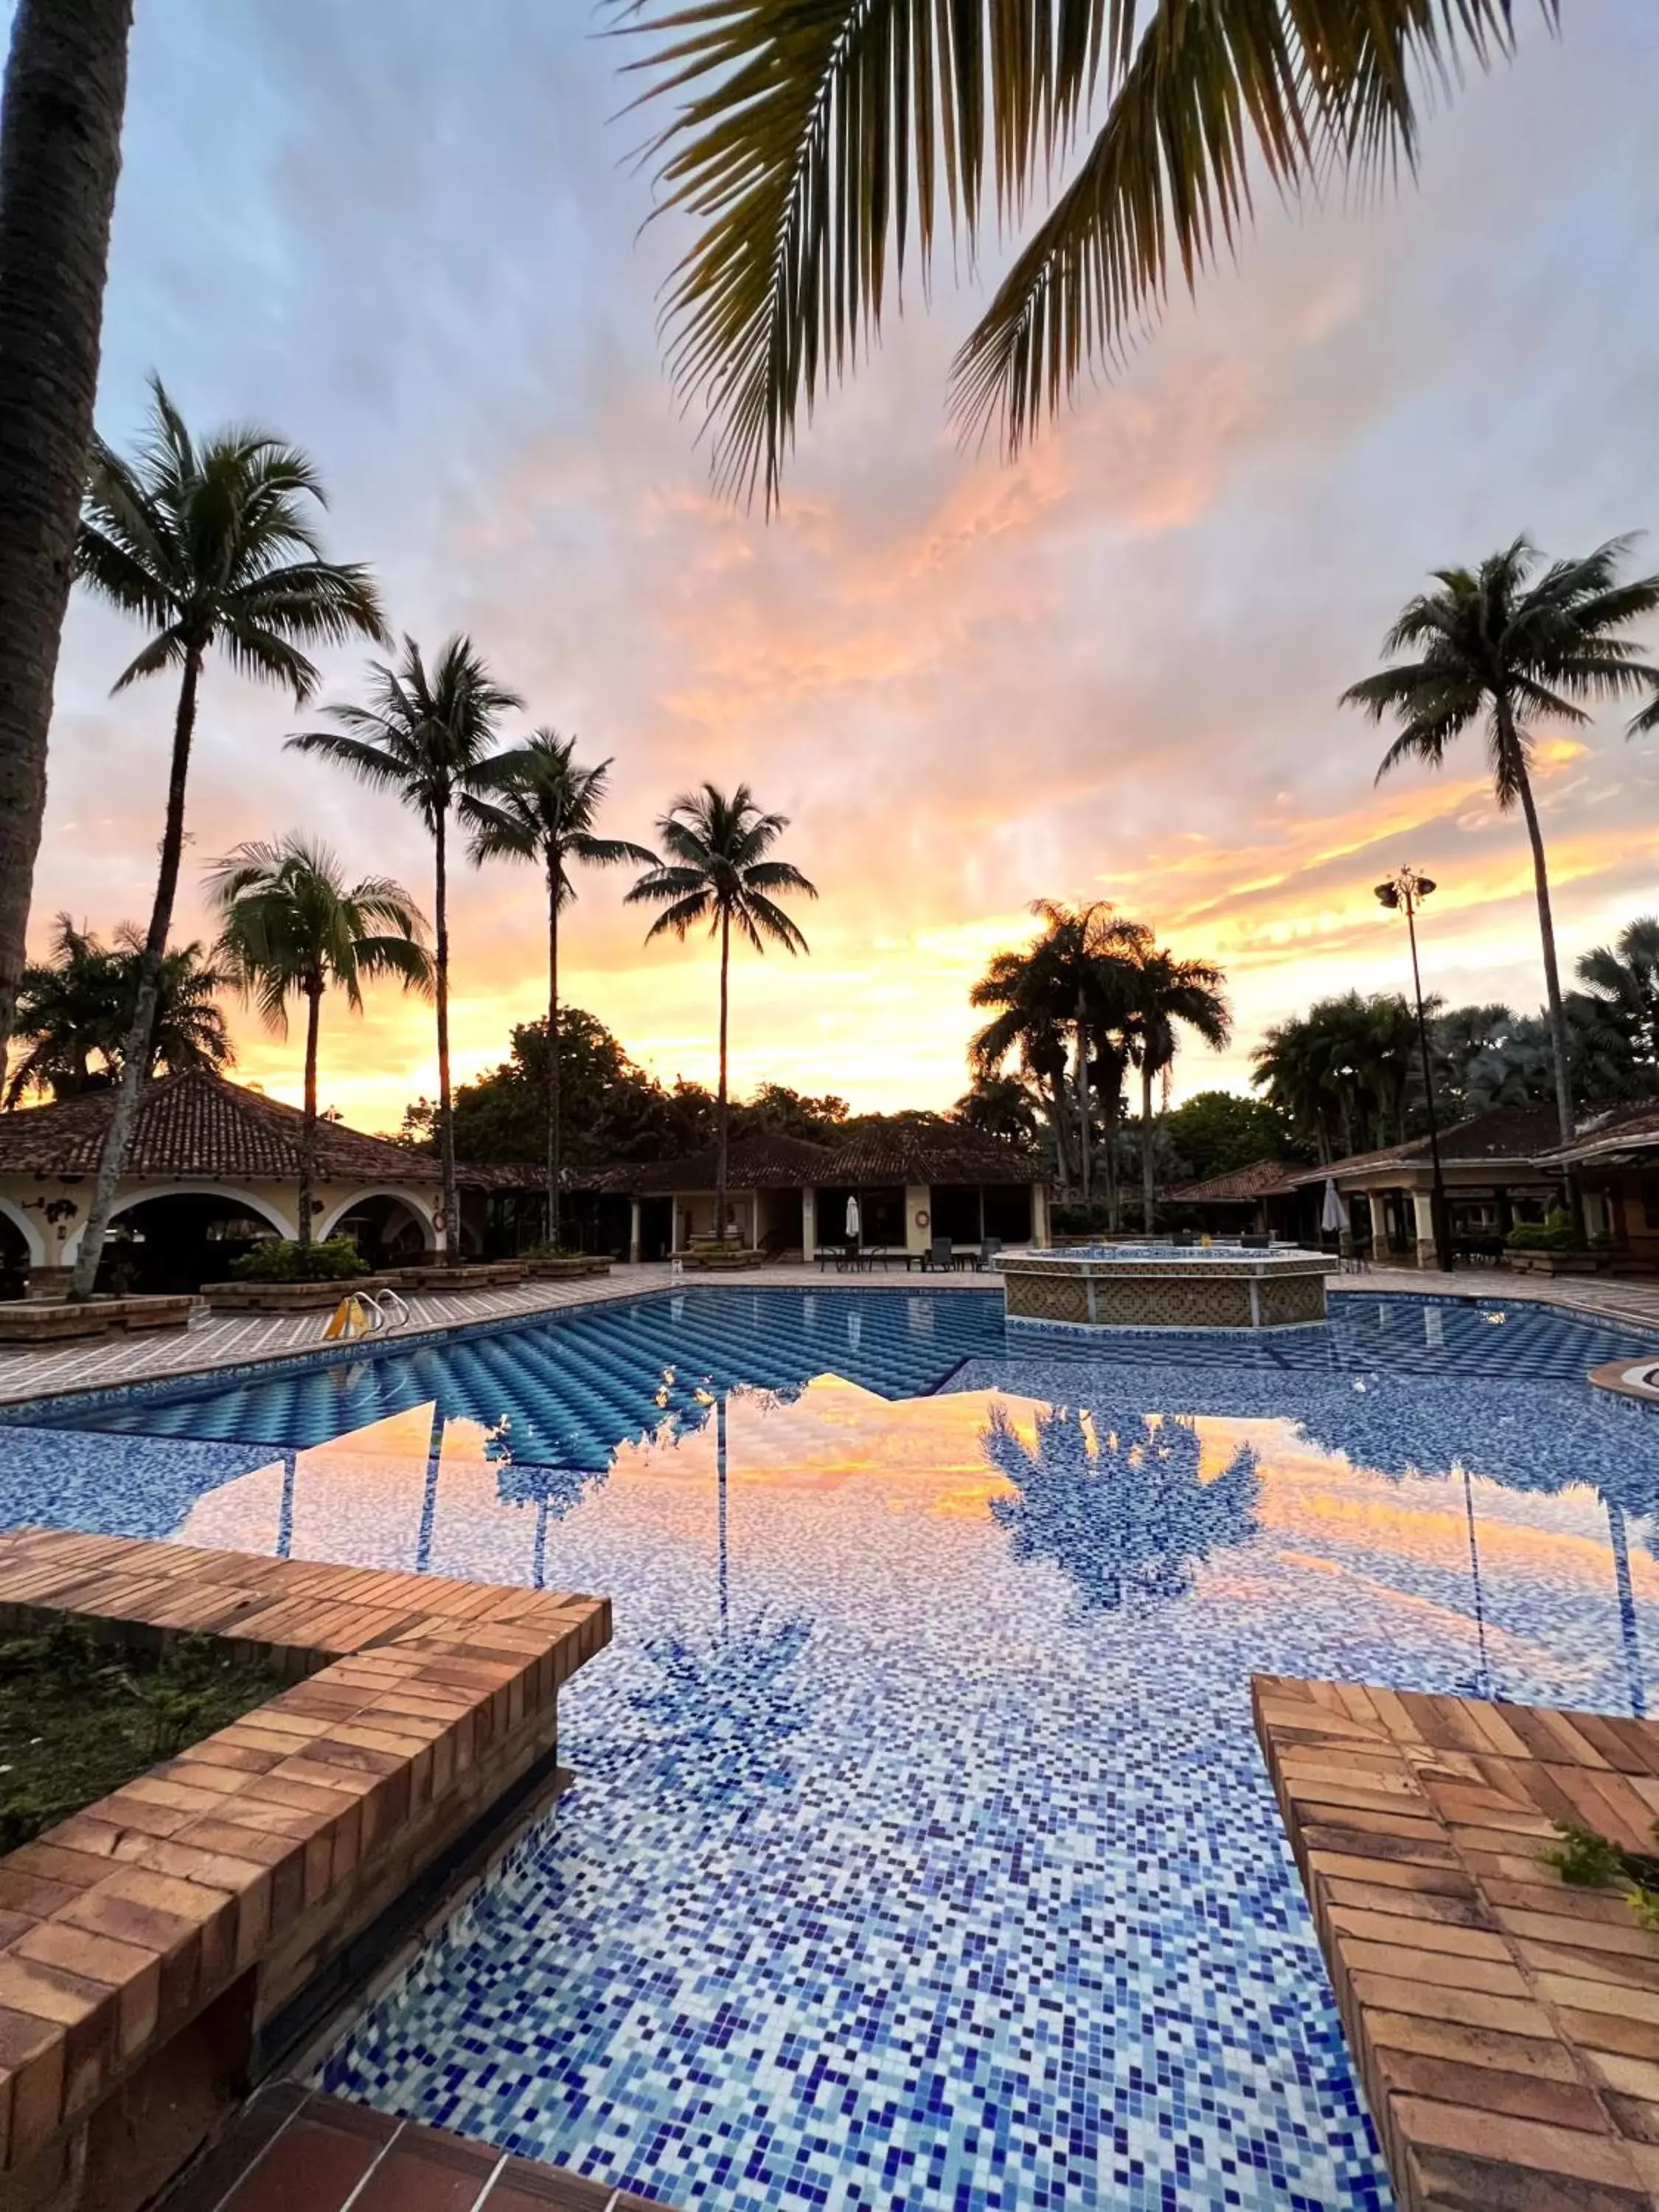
<point x="921" y="1217"/>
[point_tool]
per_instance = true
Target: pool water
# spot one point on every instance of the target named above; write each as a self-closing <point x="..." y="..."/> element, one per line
<point x="920" y="1853"/>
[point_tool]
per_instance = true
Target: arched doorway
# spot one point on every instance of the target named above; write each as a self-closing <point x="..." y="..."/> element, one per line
<point x="180" y="1241"/>
<point x="386" y="1229"/>
<point x="13" y="1259"/>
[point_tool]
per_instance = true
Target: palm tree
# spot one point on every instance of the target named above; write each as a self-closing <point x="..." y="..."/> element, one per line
<point x="716" y="871"/>
<point x="1621" y="994"/>
<point x="1027" y="1024"/>
<point x="1505" y="648"/>
<point x="538" y="802"/>
<point x="60" y="153"/>
<point x="80" y="1001"/>
<point x="292" y="927"/>
<point x="211" y="544"/>
<point x="425" y="735"/>
<point x="814" y="146"/>
<point x="1167" y="995"/>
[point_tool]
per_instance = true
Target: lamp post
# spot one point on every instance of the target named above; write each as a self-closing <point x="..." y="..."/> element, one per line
<point x="1407" y="890"/>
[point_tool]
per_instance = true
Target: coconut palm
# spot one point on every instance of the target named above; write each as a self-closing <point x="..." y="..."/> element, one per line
<point x="293" y="927"/>
<point x="814" y="146"/>
<point x="212" y="542"/>
<point x="1621" y="995"/>
<point x="538" y="802"/>
<point x="60" y="151"/>
<point x="425" y="734"/>
<point x="715" y="869"/>
<point x="1166" y="996"/>
<point x="1505" y="648"/>
<point x="79" y="1002"/>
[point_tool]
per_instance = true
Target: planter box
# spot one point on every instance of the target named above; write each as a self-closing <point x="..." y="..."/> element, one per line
<point x="555" y="1271"/>
<point x="287" y="1298"/>
<point x="155" y="1941"/>
<point x="470" y="1276"/>
<point x="41" y="1321"/>
<point x="1558" y="1263"/>
<point x="721" y="1263"/>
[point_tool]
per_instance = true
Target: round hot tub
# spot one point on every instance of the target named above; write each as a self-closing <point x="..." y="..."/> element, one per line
<point x="1179" y="1286"/>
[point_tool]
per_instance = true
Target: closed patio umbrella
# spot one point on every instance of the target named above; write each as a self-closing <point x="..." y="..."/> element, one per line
<point x="1334" y="1217"/>
<point x="854" y="1224"/>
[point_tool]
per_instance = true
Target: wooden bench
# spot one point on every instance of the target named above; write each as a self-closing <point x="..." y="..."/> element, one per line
<point x="148" y="1944"/>
<point x="1505" y="2025"/>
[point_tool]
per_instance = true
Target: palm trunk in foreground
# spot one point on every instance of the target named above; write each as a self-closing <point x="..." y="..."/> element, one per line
<point x="60" y="153"/>
<point x="720" y="1115"/>
<point x="308" y="1126"/>
<point x="1146" y="1145"/>
<point x="135" y="1052"/>
<point x="554" y="887"/>
<point x="1547" y="933"/>
<point x="446" y="1120"/>
<point x="1082" y="1079"/>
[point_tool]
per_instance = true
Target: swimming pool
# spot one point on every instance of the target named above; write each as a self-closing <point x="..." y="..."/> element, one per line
<point x="920" y="1853"/>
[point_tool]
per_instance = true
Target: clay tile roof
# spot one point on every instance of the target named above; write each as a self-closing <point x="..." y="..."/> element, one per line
<point x="199" y="1124"/>
<point x="1611" y="1134"/>
<point x="1237" y="1185"/>
<point x="1506" y="1133"/>
<point x="763" y="1162"/>
<point x="946" y="1155"/>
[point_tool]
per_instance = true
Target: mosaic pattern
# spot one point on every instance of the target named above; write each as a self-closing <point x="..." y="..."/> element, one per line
<point x="920" y="1854"/>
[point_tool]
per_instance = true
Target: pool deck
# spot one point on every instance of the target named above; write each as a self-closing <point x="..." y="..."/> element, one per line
<point x="232" y="1339"/>
<point x="1505" y="2025"/>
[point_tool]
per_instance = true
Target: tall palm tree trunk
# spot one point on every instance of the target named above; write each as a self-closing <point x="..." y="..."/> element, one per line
<point x="1546" y="930"/>
<point x="720" y="1109"/>
<point x="1146" y="1145"/>
<point x="1084" y="1147"/>
<point x="308" y="1124"/>
<point x="554" y="885"/>
<point x="135" y="1051"/>
<point x="440" y="966"/>
<point x="60" y="153"/>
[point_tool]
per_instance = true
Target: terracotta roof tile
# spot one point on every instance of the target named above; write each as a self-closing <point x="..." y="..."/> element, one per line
<point x="1237" y="1185"/>
<point x="197" y="1124"/>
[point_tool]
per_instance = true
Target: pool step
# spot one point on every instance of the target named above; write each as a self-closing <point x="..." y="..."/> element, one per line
<point x="292" y="2149"/>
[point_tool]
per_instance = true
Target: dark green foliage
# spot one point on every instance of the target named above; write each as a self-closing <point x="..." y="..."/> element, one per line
<point x="279" y="1260"/>
<point x="1217" y="1131"/>
<point x="1591" y="1862"/>
<point x="1078" y="1218"/>
<point x="75" y="1007"/>
<point x="1557" y="1233"/>
<point x="78" y="1718"/>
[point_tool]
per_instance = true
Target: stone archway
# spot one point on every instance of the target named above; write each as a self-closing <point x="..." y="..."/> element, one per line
<point x="178" y="1239"/>
<point x="34" y="1244"/>
<point x="388" y="1227"/>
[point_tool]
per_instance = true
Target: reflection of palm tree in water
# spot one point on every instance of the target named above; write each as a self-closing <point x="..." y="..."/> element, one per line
<point x="1120" y="1503"/>
<point x="726" y="1704"/>
<point x="554" y="1491"/>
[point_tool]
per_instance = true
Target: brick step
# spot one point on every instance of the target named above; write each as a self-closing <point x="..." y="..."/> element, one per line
<point x="292" y="2149"/>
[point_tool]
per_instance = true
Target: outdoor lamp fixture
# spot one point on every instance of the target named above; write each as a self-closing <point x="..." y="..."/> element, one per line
<point x="1408" y="890"/>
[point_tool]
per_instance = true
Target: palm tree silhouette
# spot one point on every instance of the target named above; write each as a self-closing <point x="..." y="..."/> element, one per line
<point x="80" y="1001"/>
<point x="1118" y="1502"/>
<point x="537" y="802"/>
<point x="1166" y="995"/>
<point x="211" y="544"/>
<point x="1505" y="648"/>
<point x="716" y="871"/>
<point x="292" y="926"/>
<point x="425" y="735"/>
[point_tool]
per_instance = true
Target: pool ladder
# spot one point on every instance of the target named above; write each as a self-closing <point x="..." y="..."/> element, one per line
<point x="387" y="1310"/>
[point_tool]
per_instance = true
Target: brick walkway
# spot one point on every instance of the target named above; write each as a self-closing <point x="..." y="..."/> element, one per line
<point x="291" y="2150"/>
<point x="1505" y="2027"/>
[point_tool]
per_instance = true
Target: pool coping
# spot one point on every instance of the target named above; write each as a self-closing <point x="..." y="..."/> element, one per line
<point x="1505" y="2027"/>
<point x="147" y="1943"/>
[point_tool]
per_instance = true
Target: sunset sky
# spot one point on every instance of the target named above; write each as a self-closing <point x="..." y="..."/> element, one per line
<point x="408" y="235"/>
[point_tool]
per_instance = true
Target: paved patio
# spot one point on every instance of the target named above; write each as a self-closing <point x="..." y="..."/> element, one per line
<point x="229" y="1339"/>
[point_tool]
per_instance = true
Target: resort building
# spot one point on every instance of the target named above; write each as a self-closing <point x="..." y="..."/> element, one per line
<point x="1489" y="1166"/>
<point x="786" y="1197"/>
<point x="1614" y="1160"/>
<point x="214" y="1167"/>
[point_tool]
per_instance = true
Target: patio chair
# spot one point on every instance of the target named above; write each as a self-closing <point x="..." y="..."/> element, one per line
<point x="989" y="1253"/>
<point x="942" y="1254"/>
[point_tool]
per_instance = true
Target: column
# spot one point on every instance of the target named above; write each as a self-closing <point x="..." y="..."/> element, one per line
<point x="808" y="1222"/>
<point x="1039" y="1215"/>
<point x="635" y="1235"/>
<point x="1428" y="1255"/>
<point x="918" y="1198"/>
<point x="754" y="1221"/>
